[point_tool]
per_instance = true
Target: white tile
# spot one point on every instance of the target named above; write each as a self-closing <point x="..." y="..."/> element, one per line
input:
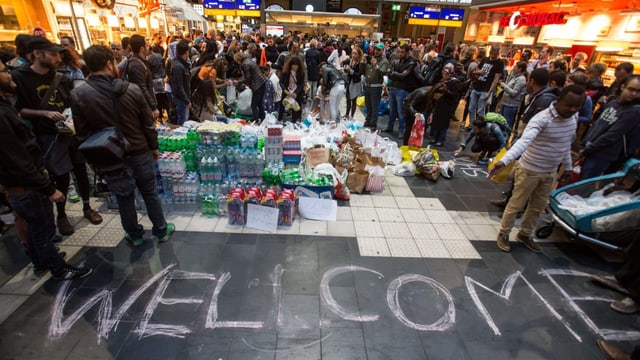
<point x="344" y="213"/>
<point x="473" y="218"/>
<point x="461" y="250"/>
<point x="114" y="223"/>
<point x="466" y="229"/>
<point x="294" y="229"/>
<point x="180" y="221"/>
<point x="368" y="229"/>
<point x="423" y="231"/>
<point x="396" y="230"/>
<point x="10" y="303"/>
<point x="248" y="230"/>
<point x="364" y="214"/>
<point x="414" y="215"/>
<point x="313" y="227"/>
<point x="107" y="238"/>
<point x="403" y="248"/>
<point x="380" y="201"/>
<point x="439" y="217"/>
<point x="395" y="180"/>
<point x="341" y="228"/>
<point x="450" y="232"/>
<point x="360" y="201"/>
<point x="484" y="232"/>
<point x="202" y="223"/>
<point x="223" y="227"/>
<point x="401" y="191"/>
<point x="373" y="246"/>
<point x="431" y="204"/>
<point x="408" y="202"/>
<point x="389" y="215"/>
<point x="433" y="249"/>
<point x="82" y="235"/>
<point x="24" y="282"/>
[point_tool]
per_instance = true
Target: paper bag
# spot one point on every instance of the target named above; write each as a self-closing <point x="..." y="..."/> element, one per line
<point x="316" y="156"/>
<point x="357" y="181"/>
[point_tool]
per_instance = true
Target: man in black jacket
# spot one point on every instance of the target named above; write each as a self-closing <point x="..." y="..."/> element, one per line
<point x="139" y="71"/>
<point x="179" y="79"/>
<point x="403" y="81"/>
<point x="106" y="101"/>
<point x="31" y="193"/>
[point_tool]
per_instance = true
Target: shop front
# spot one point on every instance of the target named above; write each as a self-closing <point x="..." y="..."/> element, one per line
<point x="607" y="31"/>
<point x="351" y="25"/>
<point x="19" y="17"/>
<point x="229" y="15"/>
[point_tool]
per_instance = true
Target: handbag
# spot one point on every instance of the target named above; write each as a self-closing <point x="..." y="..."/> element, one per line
<point x="106" y="147"/>
<point x="64" y="127"/>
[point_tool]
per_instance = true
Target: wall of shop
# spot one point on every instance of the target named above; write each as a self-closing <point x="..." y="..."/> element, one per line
<point x="21" y="16"/>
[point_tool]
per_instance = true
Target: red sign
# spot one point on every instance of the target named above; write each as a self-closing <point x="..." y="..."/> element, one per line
<point x="517" y="20"/>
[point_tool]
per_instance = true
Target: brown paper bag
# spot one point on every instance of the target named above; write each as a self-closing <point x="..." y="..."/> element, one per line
<point x="357" y="181"/>
<point x="316" y="156"/>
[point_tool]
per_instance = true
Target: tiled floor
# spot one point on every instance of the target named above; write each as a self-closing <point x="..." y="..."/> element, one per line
<point x="410" y="273"/>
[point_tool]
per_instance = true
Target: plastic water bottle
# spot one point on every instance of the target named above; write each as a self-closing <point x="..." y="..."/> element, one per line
<point x="216" y="173"/>
<point x="232" y="167"/>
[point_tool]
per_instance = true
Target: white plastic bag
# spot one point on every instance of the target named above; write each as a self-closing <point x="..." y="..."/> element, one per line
<point x="405" y="168"/>
<point x="231" y="94"/>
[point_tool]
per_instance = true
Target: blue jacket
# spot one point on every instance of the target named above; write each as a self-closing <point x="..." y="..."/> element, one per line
<point x="492" y="129"/>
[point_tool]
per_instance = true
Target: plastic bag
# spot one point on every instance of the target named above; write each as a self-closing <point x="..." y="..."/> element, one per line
<point x="447" y="168"/>
<point x="500" y="177"/>
<point x="290" y="104"/>
<point x="231" y="94"/>
<point x="405" y="168"/>
<point x="375" y="183"/>
<point x="417" y="133"/>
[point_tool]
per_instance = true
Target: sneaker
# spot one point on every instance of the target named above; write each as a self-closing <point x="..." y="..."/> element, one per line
<point x="133" y="241"/>
<point x="625" y="306"/>
<point x="609" y="281"/>
<point x="503" y="242"/>
<point x="167" y="234"/>
<point x="64" y="226"/>
<point x="500" y="203"/>
<point x="483" y="161"/>
<point x="93" y="216"/>
<point x="70" y="272"/>
<point x="529" y="243"/>
<point x="73" y="196"/>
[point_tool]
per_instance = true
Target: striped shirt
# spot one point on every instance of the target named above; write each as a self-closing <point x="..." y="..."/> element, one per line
<point x="545" y="142"/>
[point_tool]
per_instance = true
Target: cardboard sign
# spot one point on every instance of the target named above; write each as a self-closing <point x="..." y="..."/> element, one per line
<point x="318" y="209"/>
<point x="262" y="217"/>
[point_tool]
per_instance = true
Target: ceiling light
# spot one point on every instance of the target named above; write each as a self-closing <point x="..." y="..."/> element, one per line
<point x="612" y="45"/>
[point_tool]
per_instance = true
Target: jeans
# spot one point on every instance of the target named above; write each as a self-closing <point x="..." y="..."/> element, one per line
<point x="396" y="108"/>
<point x="313" y="88"/>
<point x="257" y="106"/>
<point x="439" y="135"/>
<point x="335" y="97"/>
<point x="477" y="105"/>
<point x="182" y="111"/>
<point x="593" y="166"/>
<point x="528" y="186"/>
<point x="629" y="273"/>
<point x="37" y="210"/>
<point x="372" y="96"/>
<point x="509" y="113"/>
<point x="137" y="171"/>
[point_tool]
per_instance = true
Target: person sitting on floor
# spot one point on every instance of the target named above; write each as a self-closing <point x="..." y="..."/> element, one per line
<point x="489" y="138"/>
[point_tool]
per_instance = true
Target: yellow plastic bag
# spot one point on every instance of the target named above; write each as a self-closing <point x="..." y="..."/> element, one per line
<point x="500" y="177"/>
<point x="408" y="152"/>
<point x="360" y="101"/>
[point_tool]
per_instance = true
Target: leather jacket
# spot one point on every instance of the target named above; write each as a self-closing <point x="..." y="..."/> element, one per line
<point x="93" y="109"/>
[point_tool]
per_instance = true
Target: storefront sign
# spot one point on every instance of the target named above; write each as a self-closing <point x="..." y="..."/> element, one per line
<point x="518" y="20"/>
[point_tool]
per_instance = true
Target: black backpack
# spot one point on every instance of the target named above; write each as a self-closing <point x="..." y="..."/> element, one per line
<point x="432" y="73"/>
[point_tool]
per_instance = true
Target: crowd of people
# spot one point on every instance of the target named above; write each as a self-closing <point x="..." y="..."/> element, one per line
<point x="550" y="105"/>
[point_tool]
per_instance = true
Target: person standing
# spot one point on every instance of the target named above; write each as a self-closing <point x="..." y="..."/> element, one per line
<point x="403" y="81"/>
<point x="30" y="191"/>
<point x="376" y="69"/>
<point x="354" y="69"/>
<point x="544" y="58"/>
<point x="614" y="136"/>
<point x="292" y="85"/>
<point x="106" y="101"/>
<point x="544" y="145"/>
<point x="445" y="106"/>
<point x="42" y="96"/>
<point x="179" y="79"/>
<point x="332" y="85"/>
<point x="140" y="72"/>
<point x="313" y="58"/>
<point x="515" y="88"/>
<point x="576" y="64"/>
<point x="489" y="72"/>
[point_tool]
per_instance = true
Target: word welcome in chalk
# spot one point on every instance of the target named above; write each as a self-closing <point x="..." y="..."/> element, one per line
<point x="108" y="320"/>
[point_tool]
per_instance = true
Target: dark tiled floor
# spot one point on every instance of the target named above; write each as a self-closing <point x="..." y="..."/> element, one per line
<point x="296" y="322"/>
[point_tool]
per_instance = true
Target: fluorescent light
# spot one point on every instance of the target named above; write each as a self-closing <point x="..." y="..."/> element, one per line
<point x="612" y="45"/>
<point x="498" y="39"/>
<point x="560" y="43"/>
<point x="523" y="40"/>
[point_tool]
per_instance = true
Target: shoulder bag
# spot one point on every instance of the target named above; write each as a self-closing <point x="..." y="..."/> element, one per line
<point x="64" y="127"/>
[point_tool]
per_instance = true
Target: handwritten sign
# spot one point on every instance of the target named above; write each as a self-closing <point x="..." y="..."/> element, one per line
<point x="262" y="218"/>
<point x="318" y="209"/>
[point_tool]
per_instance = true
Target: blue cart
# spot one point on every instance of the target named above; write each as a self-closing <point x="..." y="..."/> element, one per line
<point x="595" y="227"/>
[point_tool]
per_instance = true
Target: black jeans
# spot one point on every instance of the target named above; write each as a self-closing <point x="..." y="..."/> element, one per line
<point x="37" y="210"/>
<point x="629" y="274"/>
<point x="138" y="171"/>
<point x="257" y="106"/>
<point x="372" y="96"/>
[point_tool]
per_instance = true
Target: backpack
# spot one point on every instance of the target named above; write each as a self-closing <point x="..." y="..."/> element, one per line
<point x="432" y="73"/>
<point x="498" y="119"/>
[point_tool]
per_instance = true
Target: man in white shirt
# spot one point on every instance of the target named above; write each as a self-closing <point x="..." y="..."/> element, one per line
<point x="545" y="144"/>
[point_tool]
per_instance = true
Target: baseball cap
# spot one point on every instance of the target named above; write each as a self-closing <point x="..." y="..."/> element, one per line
<point x="38" y="43"/>
<point x="379" y="46"/>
